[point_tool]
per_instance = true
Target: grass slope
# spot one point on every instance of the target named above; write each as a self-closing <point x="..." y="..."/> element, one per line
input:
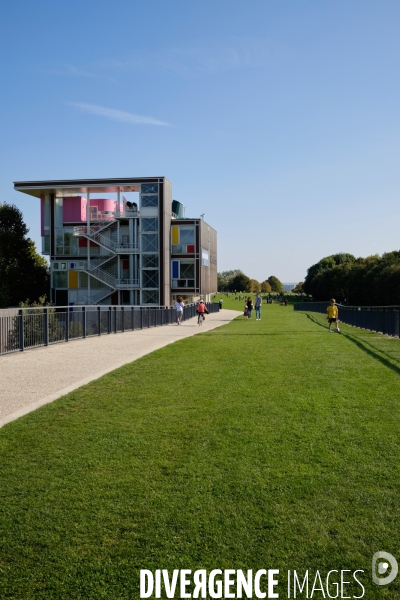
<point x="268" y="444"/>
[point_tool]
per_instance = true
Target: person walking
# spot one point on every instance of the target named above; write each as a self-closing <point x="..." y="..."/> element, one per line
<point x="333" y="315"/>
<point x="179" y="305"/>
<point x="258" y="307"/>
<point x="250" y="306"/>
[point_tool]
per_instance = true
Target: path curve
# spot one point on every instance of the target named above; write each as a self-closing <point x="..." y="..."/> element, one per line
<point x="36" y="377"/>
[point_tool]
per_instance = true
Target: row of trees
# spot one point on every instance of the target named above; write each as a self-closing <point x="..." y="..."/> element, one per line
<point x="374" y="280"/>
<point x="24" y="274"/>
<point x="236" y="280"/>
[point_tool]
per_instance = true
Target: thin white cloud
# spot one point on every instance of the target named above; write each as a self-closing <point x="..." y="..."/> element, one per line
<point x="118" y="115"/>
<point x="210" y="58"/>
<point x="72" y="71"/>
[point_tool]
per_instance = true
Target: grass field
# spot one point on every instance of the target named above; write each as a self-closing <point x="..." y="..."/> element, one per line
<point x="262" y="444"/>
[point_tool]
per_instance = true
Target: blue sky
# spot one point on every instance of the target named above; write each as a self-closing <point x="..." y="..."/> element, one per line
<point x="277" y="119"/>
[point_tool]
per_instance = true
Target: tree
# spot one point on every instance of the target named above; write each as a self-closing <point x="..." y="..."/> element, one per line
<point x="266" y="288"/>
<point x="224" y="278"/>
<point x="255" y="285"/>
<point x="276" y="285"/>
<point x="240" y="283"/>
<point x="325" y="263"/>
<point x="299" y="288"/>
<point x="24" y="274"/>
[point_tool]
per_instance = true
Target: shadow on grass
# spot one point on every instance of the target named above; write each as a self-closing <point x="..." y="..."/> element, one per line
<point x="363" y="345"/>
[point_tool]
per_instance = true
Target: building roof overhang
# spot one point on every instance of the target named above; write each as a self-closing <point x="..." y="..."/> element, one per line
<point x="66" y="187"/>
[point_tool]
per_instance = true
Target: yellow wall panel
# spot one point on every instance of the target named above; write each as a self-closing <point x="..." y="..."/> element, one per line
<point x="175" y="234"/>
<point x="73" y="279"/>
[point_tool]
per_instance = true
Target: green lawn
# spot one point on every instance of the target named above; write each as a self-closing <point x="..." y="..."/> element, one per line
<point x="261" y="444"/>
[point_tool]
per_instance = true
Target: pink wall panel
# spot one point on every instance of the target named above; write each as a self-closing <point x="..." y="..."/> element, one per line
<point x="74" y="207"/>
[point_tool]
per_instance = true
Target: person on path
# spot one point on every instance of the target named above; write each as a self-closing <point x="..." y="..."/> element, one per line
<point x="201" y="310"/>
<point x="258" y="307"/>
<point x="333" y="315"/>
<point x="179" y="305"/>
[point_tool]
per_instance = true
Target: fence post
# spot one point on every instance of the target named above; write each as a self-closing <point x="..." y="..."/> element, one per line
<point x="46" y="326"/>
<point x="67" y="324"/>
<point x="133" y="318"/>
<point x="84" y="320"/>
<point x="123" y="319"/>
<point x="141" y="317"/>
<point x="99" y="319"/>
<point x="109" y="319"/>
<point x="21" y="329"/>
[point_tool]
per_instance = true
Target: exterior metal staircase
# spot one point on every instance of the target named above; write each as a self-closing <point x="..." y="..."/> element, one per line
<point x="95" y="234"/>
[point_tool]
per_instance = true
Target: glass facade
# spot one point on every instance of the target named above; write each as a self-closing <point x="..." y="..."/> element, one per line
<point x="182" y="239"/>
<point x="150" y="261"/>
<point x="149" y="201"/>
<point x="149" y="242"/>
<point x="150" y="297"/>
<point x="149" y="224"/>
<point x="66" y="242"/>
<point x="183" y="273"/>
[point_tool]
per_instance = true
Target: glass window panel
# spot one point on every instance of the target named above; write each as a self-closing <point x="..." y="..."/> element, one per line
<point x="60" y="279"/>
<point x="150" y="224"/>
<point x="190" y="282"/>
<point x="187" y="270"/>
<point x="178" y="249"/>
<point x="149" y="261"/>
<point x="149" y="201"/>
<point x="46" y="244"/>
<point x="149" y="242"/>
<point x="83" y="280"/>
<point x="150" y="279"/>
<point x="149" y="188"/>
<point x="150" y="297"/>
<point x="186" y="235"/>
<point x="59" y="212"/>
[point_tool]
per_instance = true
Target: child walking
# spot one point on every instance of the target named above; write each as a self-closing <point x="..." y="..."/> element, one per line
<point x="333" y="315"/>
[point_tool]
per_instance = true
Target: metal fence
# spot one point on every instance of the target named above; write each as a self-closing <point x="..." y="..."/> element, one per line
<point x="25" y="328"/>
<point x="383" y="319"/>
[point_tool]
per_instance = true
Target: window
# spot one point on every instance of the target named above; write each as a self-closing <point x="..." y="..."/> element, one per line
<point x="186" y="235"/>
<point x="149" y="188"/>
<point x="183" y="274"/>
<point x="150" y="224"/>
<point x="60" y="279"/>
<point x="150" y="242"/>
<point x="187" y="270"/>
<point x="150" y="279"/>
<point x="59" y="212"/>
<point x="66" y="242"/>
<point x="149" y="201"/>
<point x="150" y="297"/>
<point x="178" y="249"/>
<point x="150" y="261"/>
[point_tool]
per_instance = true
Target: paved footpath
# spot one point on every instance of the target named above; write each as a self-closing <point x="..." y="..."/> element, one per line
<point x="36" y="377"/>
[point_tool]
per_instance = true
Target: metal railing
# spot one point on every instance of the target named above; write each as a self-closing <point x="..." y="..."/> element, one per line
<point x="26" y="328"/>
<point x="382" y="319"/>
<point x="114" y="246"/>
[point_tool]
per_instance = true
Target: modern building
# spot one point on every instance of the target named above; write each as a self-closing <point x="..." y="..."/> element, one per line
<point x="122" y="241"/>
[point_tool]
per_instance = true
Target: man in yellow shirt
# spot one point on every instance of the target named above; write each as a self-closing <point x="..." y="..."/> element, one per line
<point x="333" y="314"/>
